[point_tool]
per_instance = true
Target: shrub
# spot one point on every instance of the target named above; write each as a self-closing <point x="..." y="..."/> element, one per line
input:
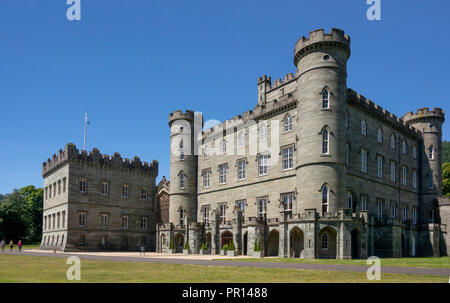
<point x="171" y="245"/>
<point x="186" y="246"/>
<point x="231" y="246"/>
<point x="225" y="247"/>
<point x="204" y="246"/>
<point x="257" y="245"/>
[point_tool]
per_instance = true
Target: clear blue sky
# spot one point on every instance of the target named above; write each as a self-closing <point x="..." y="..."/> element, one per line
<point x="130" y="63"/>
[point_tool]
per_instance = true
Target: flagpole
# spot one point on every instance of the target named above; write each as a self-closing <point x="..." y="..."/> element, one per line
<point x="85" y="126"/>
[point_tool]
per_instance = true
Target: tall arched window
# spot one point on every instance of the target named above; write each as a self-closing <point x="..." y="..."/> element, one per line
<point x="325" y="141"/>
<point x="380" y="135"/>
<point x="181" y="179"/>
<point x="288" y="123"/>
<point x="325" y="199"/>
<point x="325" y="241"/>
<point x="363" y="127"/>
<point x="263" y="131"/>
<point x="393" y="141"/>
<point x="181" y="217"/>
<point x="241" y="139"/>
<point x="404" y="146"/>
<point x="349" y="200"/>
<point x="325" y="98"/>
<point x="181" y="153"/>
<point x="431" y="152"/>
<point x="224" y="147"/>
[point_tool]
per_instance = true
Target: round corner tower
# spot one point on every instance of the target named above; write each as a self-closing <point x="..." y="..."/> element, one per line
<point x="429" y="123"/>
<point x="183" y="167"/>
<point x="321" y="61"/>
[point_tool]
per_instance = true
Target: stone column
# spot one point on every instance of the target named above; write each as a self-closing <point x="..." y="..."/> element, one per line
<point x="310" y="234"/>
<point x="237" y="229"/>
<point x="215" y="234"/>
<point x="284" y="236"/>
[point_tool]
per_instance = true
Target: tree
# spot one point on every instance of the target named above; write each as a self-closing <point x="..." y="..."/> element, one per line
<point x="445" y="151"/>
<point x="446" y="179"/>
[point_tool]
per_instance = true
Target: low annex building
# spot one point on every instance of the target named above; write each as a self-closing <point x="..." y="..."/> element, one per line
<point x="315" y="170"/>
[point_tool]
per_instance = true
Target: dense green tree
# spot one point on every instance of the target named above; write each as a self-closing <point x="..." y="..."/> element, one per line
<point x="445" y="151"/>
<point x="446" y="179"/>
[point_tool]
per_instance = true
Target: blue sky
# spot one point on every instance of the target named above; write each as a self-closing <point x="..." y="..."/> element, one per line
<point x="130" y="63"/>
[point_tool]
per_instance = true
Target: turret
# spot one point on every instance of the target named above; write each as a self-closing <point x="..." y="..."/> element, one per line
<point x="183" y="167"/>
<point x="321" y="61"/>
<point x="264" y="84"/>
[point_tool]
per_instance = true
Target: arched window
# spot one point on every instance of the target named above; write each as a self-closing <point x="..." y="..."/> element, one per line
<point x="325" y="99"/>
<point x="288" y="123"/>
<point x="224" y="147"/>
<point x="262" y="131"/>
<point x="325" y="241"/>
<point x="325" y="199"/>
<point x="349" y="200"/>
<point x="325" y="141"/>
<point x="181" y="153"/>
<point x="414" y="151"/>
<point x="363" y="127"/>
<point x="241" y="139"/>
<point x="380" y="135"/>
<point x="181" y="217"/>
<point x="181" y="179"/>
<point x="431" y="152"/>
<point x="404" y="146"/>
<point x="393" y="141"/>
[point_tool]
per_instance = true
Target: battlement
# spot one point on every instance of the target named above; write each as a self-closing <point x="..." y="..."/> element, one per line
<point x="71" y="153"/>
<point x="179" y="115"/>
<point x="424" y="113"/>
<point x="336" y="39"/>
<point x="355" y="99"/>
<point x="277" y="83"/>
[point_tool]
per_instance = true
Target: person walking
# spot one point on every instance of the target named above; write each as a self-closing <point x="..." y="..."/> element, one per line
<point x="11" y="245"/>
<point x="3" y="243"/>
<point x="19" y="245"/>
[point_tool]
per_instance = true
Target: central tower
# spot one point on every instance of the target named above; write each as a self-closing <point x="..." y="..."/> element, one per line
<point x="321" y="61"/>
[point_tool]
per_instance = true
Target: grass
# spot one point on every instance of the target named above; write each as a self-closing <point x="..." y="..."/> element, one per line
<point x="441" y="262"/>
<point x="30" y="269"/>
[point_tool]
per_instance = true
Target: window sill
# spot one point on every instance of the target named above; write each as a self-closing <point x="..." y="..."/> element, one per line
<point x="326" y="155"/>
<point x="326" y="109"/>
<point x="287" y="169"/>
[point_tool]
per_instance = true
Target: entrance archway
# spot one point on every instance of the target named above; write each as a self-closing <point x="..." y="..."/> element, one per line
<point x="296" y="242"/>
<point x="327" y="243"/>
<point x="355" y="244"/>
<point x="274" y="242"/>
<point x="227" y="237"/>
<point x="178" y="243"/>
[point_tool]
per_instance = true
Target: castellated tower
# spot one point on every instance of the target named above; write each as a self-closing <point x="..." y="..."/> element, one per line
<point x="183" y="168"/>
<point x="321" y="61"/>
<point x="429" y="122"/>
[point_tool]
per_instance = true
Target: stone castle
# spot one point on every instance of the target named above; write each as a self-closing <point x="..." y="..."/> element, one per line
<point x="315" y="170"/>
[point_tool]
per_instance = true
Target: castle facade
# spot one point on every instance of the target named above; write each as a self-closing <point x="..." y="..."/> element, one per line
<point x="315" y="170"/>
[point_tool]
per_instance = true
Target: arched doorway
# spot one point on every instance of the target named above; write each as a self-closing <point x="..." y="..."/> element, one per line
<point x="245" y="243"/>
<point x="178" y="243"/>
<point x="274" y="242"/>
<point x="296" y="242"/>
<point x="355" y="244"/>
<point x="327" y="243"/>
<point x="227" y="237"/>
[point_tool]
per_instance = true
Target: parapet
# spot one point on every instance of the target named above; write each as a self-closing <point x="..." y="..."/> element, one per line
<point x="424" y="114"/>
<point x="71" y="153"/>
<point x="277" y="83"/>
<point x="179" y="115"/>
<point x="355" y="99"/>
<point x="336" y="39"/>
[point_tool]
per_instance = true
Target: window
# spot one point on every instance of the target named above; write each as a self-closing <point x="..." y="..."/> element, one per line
<point x="222" y="173"/>
<point x="262" y="164"/>
<point x="393" y="141"/>
<point x="414" y="184"/>
<point x="430" y="180"/>
<point x="347" y="151"/>
<point x="181" y="217"/>
<point x="144" y="193"/>
<point x="393" y="210"/>
<point x="224" y="147"/>
<point x="325" y="241"/>
<point x="431" y="214"/>
<point x="288" y="158"/>
<point x="205" y="215"/>
<point x="380" y="166"/>
<point x="46" y="193"/>
<point x="349" y="200"/>
<point x="54" y="189"/>
<point x="380" y="135"/>
<point x="104" y="220"/>
<point x="404" y="175"/>
<point x="124" y="222"/>
<point x="414" y="151"/>
<point x="181" y="180"/>
<point x="82" y="219"/>
<point x="404" y="213"/>
<point x="325" y="199"/>
<point x="206" y="178"/>
<point x="262" y="131"/>
<point x="363" y="203"/>
<point x="82" y="240"/>
<point x="287" y="199"/>
<point x="144" y="223"/>
<point x="83" y="185"/>
<point x="222" y="212"/>
<point x="105" y="188"/>
<point x="125" y="191"/>
<point x="206" y="151"/>
<point x="64" y="184"/>
<point x="431" y="152"/>
<point x="58" y="220"/>
<point x="241" y="169"/>
<point x="364" y="161"/>
<point x="415" y="216"/>
<point x="50" y="191"/>
<point x="288" y="123"/>
<point x="404" y="146"/>
<point x="262" y="209"/>
<point x="241" y="204"/>
<point x="241" y="139"/>
<point x="59" y="187"/>
<point x="181" y="153"/>
<point x="393" y="171"/>
<point x="363" y="128"/>
<point x="380" y="209"/>
<point x="53" y="220"/>
<point x="325" y="141"/>
<point x="325" y="99"/>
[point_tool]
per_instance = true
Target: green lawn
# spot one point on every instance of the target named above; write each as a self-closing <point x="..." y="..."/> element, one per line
<point x="442" y="262"/>
<point x="29" y="269"/>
